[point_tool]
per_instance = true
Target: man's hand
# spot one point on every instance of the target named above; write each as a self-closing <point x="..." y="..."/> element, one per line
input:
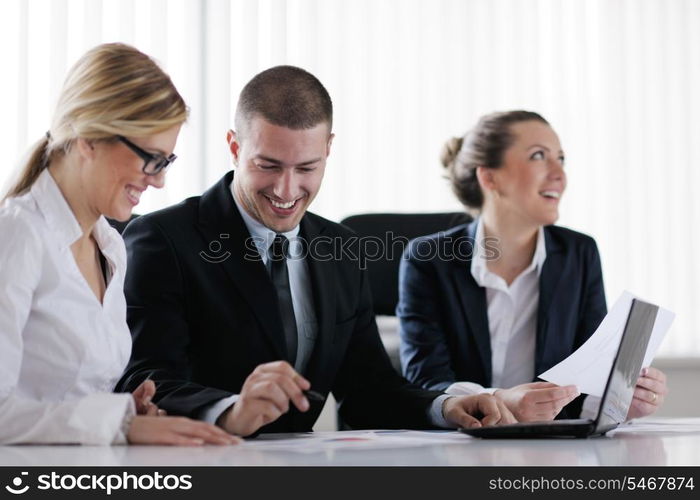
<point x="537" y="400"/>
<point x="142" y="398"/>
<point x="178" y="431"/>
<point x="264" y="397"/>
<point x="475" y="411"/>
<point x="649" y="394"/>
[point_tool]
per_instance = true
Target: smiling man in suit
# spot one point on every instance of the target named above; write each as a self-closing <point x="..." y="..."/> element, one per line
<point x="240" y="300"/>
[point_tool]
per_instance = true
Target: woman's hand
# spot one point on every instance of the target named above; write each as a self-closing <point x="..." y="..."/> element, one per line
<point x="537" y="400"/>
<point x="142" y="398"/>
<point x="177" y="431"/>
<point x="649" y="394"/>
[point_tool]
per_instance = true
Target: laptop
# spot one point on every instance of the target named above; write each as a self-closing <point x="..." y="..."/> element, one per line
<point x="617" y="396"/>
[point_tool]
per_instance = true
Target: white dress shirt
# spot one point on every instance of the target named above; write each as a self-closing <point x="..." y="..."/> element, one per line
<point x="299" y="282"/>
<point x="512" y="318"/>
<point x="61" y="351"/>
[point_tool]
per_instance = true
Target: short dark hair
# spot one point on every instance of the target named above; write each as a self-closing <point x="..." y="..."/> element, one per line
<point x="286" y="96"/>
<point x="483" y="146"/>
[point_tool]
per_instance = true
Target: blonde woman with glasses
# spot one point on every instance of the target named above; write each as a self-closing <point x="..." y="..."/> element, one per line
<point x="64" y="340"/>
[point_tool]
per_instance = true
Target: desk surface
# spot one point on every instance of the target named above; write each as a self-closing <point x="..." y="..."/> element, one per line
<point x="669" y="442"/>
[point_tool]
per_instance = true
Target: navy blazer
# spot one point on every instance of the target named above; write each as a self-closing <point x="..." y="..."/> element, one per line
<point x="444" y="323"/>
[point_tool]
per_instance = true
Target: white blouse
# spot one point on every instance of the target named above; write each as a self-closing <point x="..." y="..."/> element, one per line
<point x="61" y="351"/>
<point x="512" y="315"/>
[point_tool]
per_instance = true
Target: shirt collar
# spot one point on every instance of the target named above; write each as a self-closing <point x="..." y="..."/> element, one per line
<point x="108" y="239"/>
<point x="55" y="209"/>
<point x="479" y="269"/>
<point x="263" y="235"/>
<point x="65" y="227"/>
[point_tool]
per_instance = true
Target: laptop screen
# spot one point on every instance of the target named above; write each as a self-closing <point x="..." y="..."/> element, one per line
<point x="619" y="391"/>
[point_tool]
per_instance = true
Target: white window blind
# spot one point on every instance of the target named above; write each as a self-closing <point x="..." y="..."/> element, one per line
<point x="618" y="79"/>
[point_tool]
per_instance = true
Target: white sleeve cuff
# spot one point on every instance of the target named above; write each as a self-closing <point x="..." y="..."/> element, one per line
<point x="468" y="389"/>
<point x="435" y="412"/>
<point x="212" y="412"/>
<point x="98" y="418"/>
<point x="590" y="407"/>
<point x="129" y="413"/>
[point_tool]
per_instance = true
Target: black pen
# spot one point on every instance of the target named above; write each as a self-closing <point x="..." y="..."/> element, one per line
<point x="314" y="396"/>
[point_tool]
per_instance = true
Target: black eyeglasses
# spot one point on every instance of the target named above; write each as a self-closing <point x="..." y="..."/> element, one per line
<point x="154" y="163"/>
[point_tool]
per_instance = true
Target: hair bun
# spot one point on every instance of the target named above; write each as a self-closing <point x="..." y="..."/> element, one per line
<point x="450" y="150"/>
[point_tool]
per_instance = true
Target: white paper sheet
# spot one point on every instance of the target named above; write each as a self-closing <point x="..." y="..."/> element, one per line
<point x="589" y="366"/>
<point x="375" y="439"/>
<point x="662" y="425"/>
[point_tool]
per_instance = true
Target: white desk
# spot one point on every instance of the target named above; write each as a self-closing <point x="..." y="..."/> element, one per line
<point x="629" y="448"/>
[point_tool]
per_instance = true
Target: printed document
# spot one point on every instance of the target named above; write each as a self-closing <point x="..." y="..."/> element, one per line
<point x="589" y="366"/>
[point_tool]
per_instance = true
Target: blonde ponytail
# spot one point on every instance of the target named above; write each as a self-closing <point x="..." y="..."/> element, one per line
<point x="112" y="90"/>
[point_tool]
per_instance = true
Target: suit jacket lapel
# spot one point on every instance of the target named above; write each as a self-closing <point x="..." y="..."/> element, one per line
<point x="550" y="279"/>
<point x="219" y="220"/>
<point x="473" y="299"/>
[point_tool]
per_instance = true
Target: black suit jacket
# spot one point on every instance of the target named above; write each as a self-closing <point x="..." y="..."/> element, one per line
<point x="203" y="314"/>
<point x="444" y="323"/>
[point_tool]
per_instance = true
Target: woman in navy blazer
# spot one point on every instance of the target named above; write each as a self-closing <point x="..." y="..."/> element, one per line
<point x="508" y="296"/>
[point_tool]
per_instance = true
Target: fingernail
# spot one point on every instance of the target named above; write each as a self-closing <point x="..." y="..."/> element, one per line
<point x="475" y="424"/>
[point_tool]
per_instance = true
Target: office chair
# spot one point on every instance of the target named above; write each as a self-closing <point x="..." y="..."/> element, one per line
<point x="395" y="230"/>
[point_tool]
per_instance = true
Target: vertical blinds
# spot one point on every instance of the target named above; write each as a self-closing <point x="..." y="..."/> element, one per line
<point x="618" y="80"/>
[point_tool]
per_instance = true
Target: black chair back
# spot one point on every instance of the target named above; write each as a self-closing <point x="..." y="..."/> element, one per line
<point x="395" y="230"/>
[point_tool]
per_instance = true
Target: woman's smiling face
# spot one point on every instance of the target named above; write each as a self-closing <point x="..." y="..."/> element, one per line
<point x="531" y="179"/>
<point x="116" y="179"/>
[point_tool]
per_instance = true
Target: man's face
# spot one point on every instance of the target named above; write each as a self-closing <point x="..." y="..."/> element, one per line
<point x="279" y="170"/>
